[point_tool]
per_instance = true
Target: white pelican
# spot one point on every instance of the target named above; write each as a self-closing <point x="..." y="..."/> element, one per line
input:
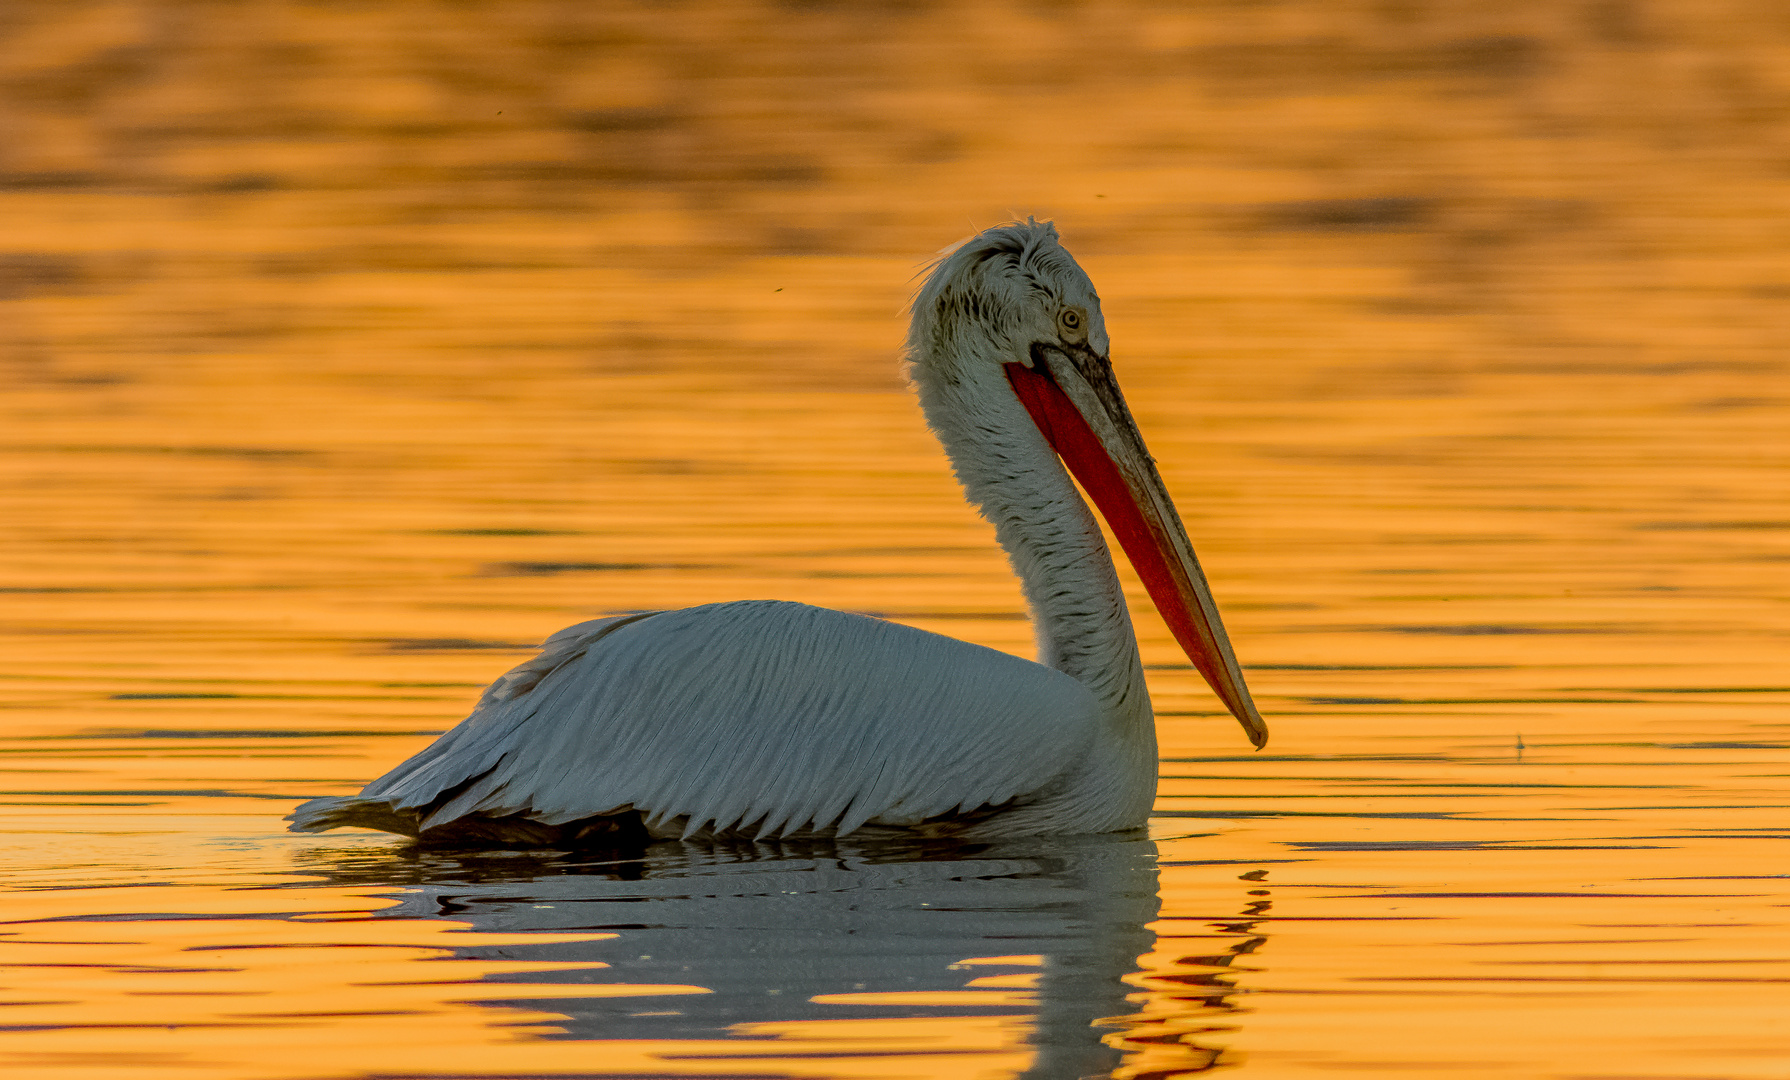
<point x="768" y="719"/>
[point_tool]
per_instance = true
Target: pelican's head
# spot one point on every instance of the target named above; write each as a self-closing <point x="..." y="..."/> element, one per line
<point x="990" y="299"/>
<point x="1007" y="327"/>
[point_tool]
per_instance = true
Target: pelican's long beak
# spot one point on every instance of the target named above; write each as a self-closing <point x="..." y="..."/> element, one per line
<point x="1073" y="398"/>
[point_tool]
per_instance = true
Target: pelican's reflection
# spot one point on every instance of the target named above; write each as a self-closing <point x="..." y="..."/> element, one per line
<point x="817" y="931"/>
<point x="1192" y="997"/>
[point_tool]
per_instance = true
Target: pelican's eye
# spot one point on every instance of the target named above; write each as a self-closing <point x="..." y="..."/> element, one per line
<point x="1072" y="323"/>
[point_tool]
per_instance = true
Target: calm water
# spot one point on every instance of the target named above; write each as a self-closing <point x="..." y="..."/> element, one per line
<point x="347" y="351"/>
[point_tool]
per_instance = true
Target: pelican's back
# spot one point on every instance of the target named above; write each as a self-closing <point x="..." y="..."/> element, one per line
<point x="764" y="717"/>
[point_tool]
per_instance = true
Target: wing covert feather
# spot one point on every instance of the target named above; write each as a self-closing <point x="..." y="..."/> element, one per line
<point x="761" y="715"/>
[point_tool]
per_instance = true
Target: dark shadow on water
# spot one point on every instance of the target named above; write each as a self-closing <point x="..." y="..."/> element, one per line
<point x="798" y="931"/>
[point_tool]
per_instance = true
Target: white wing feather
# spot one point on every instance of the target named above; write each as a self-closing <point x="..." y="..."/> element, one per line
<point x="762" y="716"/>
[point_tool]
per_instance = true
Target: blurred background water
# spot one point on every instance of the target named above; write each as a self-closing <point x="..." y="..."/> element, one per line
<point x="349" y="349"/>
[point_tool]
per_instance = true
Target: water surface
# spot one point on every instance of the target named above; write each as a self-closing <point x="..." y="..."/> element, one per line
<point x="347" y="351"/>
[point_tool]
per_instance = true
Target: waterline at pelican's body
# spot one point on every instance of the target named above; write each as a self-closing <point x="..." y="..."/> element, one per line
<point x="766" y="718"/>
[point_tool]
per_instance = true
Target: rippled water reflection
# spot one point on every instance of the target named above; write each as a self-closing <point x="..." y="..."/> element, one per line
<point x="347" y="351"/>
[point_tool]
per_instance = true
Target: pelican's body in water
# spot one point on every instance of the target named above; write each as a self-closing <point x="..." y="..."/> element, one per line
<point x="771" y="719"/>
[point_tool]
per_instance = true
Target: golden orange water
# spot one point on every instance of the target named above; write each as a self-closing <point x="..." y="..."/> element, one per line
<point x="347" y="351"/>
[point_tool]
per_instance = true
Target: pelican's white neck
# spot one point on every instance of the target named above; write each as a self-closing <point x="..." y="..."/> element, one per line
<point x="1050" y="536"/>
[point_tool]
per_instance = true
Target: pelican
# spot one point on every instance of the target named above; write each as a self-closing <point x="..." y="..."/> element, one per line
<point x="766" y="719"/>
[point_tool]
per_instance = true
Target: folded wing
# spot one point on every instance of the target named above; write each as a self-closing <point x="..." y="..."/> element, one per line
<point x="763" y="717"/>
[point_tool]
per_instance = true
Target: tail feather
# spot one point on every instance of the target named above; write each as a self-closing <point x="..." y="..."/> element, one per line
<point x="460" y="760"/>
<point x="334" y="810"/>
